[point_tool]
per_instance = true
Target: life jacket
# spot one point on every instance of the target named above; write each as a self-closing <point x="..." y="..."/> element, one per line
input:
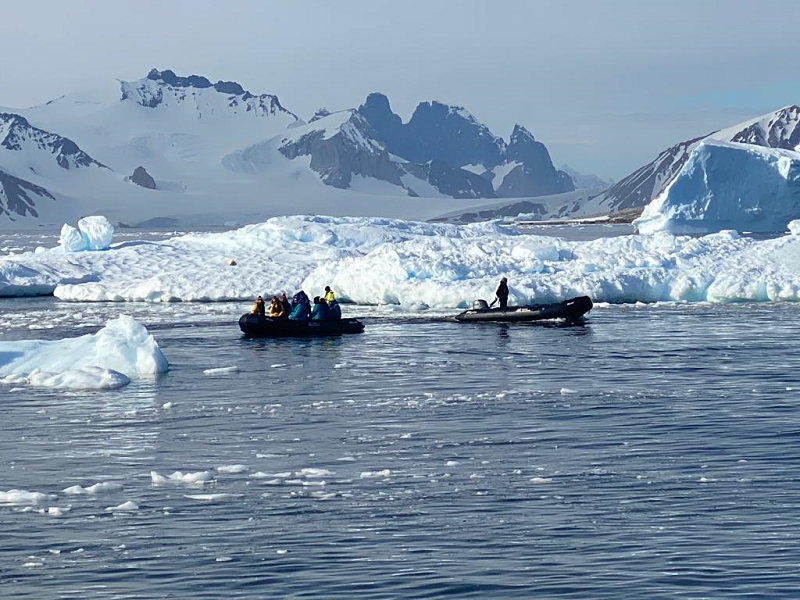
<point x="330" y="297"/>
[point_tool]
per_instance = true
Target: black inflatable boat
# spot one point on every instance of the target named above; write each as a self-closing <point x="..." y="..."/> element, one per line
<point x="571" y="310"/>
<point x="254" y="326"/>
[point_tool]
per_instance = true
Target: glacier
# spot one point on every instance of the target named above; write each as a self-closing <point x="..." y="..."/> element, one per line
<point x="727" y="185"/>
<point x="108" y="359"/>
<point x="411" y="264"/>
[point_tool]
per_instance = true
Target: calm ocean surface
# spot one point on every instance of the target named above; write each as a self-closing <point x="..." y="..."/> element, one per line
<point x="650" y="453"/>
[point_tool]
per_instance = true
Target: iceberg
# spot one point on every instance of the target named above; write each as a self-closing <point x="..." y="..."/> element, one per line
<point x="93" y="233"/>
<point x="727" y="185"/>
<point x="413" y="264"/>
<point x="97" y="232"/>
<point x="108" y="359"/>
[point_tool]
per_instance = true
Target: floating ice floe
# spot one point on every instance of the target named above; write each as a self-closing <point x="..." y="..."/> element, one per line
<point x="104" y="360"/>
<point x="197" y="478"/>
<point x="384" y="261"/>
<point x="129" y="506"/>
<point x="232" y="468"/>
<point x="726" y="185"/>
<point x="97" y="488"/>
<point x="24" y="498"/>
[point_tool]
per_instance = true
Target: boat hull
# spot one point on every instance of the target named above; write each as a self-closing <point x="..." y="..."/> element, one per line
<point x="253" y="326"/>
<point x="570" y="310"/>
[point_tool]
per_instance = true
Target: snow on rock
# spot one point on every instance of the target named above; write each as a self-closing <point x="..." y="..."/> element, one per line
<point x="106" y="359"/>
<point x="726" y="185"/>
<point x="794" y="227"/>
<point x="385" y="261"/>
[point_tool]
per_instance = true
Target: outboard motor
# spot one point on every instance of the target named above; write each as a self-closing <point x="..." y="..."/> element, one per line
<point x="480" y="305"/>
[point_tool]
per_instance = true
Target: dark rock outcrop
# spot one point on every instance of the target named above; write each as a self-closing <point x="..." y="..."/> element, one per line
<point x="454" y="182"/>
<point x="351" y="151"/>
<point x="435" y="131"/>
<point x="17" y="196"/>
<point x="141" y="177"/>
<point x="438" y="132"/>
<point x="535" y="175"/>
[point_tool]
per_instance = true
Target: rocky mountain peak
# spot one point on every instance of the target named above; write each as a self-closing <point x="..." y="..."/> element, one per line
<point x="520" y="134"/>
<point x="195" y="81"/>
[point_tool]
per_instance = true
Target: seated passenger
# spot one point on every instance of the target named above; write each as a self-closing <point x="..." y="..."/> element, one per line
<point x="320" y="310"/>
<point x="335" y="311"/>
<point x="300" y="297"/>
<point x="258" y="307"/>
<point x="287" y="308"/>
<point x="299" y="312"/>
<point x="276" y="308"/>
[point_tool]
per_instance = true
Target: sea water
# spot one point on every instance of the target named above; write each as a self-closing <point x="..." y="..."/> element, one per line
<point x="650" y="452"/>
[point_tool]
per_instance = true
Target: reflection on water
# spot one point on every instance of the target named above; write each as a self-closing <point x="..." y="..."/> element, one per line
<point x="646" y="453"/>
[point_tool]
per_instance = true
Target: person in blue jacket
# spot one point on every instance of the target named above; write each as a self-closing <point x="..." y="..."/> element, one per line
<point x="335" y="311"/>
<point x="320" y="310"/>
<point x="299" y="312"/>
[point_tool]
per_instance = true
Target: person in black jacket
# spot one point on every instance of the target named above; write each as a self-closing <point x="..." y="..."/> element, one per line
<point x="501" y="294"/>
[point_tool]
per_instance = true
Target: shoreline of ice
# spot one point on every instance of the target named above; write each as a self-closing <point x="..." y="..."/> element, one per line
<point x="374" y="261"/>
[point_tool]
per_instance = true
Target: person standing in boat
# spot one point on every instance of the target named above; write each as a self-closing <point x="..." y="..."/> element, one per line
<point x="258" y="307"/>
<point x="329" y="295"/>
<point x="501" y="295"/>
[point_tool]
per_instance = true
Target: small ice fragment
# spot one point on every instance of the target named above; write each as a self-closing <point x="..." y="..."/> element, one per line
<point x="278" y="365"/>
<point x="128" y="506"/>
<point x="541" y="479"/>
<point x="312" y="472"/>
<point x="232" y="469"/>
<point x="565" y="391"/>
<point x="221" y="370"/>
<point x="375" y="474"/>
<point x="166" y="405"/>
<point x="281" y="551"/>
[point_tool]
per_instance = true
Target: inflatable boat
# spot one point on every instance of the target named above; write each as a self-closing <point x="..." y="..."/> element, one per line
<point x="254" y="326"/>
<point x="570" y="310"/>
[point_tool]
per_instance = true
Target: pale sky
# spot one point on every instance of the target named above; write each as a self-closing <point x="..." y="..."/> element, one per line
<point x="606" y="85"/>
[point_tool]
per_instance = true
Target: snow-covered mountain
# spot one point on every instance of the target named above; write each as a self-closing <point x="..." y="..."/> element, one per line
<point x="167" y="145"/>
<point x="778" y="129"/>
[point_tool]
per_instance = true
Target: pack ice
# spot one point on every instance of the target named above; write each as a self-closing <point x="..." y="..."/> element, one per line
<point x="726" y="185"/>
<point x="407" y="263"/>
<point x="104" y="360"/>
